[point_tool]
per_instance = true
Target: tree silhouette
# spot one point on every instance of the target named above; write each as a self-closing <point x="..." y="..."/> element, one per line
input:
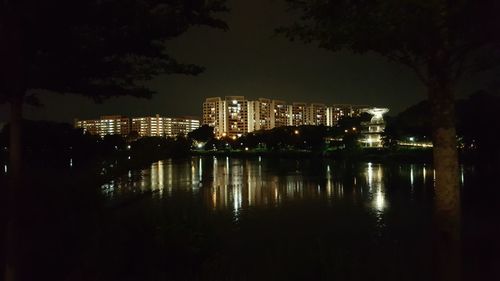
<point x="439" y="40"/>
<point x="203" y="133"/>
<point x="94" y="48"/>
<point x="98" y="49"/>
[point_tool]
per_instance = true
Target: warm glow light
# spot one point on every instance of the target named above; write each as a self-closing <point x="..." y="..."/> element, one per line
<point x="411" y="175"/>
<point x="379" y="201"/>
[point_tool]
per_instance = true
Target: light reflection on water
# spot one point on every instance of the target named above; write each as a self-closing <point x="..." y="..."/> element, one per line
<point x="237" y="184"/>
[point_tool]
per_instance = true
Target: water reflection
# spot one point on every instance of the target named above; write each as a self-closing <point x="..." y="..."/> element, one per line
<point x="462" y="174"/>
<point x="375" y="186"/>
<point x="237" y="184"/>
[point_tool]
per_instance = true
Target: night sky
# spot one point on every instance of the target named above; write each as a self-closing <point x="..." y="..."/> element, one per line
<point x="250" y="60"/>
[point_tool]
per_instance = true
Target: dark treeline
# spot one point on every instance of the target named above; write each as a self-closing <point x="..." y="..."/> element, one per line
<point x="476" y="122"/>
<point x="50" y="142"/>
<point x="476" y="128"/>
<point x="306" y="138"/>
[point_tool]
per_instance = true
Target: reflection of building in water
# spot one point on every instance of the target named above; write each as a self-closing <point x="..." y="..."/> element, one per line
<point x="240" y="184"/>
<point x="375" y="186"/>
<point x="372" y="131"/>
<point x="233" y="184"/>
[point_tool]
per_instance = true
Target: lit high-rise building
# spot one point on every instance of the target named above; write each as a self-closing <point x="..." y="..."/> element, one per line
<point x="261" y="114"/>
<point x="316" y="114"/>
<point x="180" y="125"/>
<point x="298" y="114"/>
<point x="157" y="126"/>
<point x="214" y="115"/>
<point x="358" y="109"/>
<point x="337" y="111"/>
<point x="106" y="125"/>
<point x="114" y="125"/>
<point x="281" y="114"/>
<point x="91" y="127"/>
<point x="237" y="122"/>
<point x="149" y="126"/>
<point x="234" y="116"/>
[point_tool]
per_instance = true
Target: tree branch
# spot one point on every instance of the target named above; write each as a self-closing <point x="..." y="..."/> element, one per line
<point x="405" y="58"/>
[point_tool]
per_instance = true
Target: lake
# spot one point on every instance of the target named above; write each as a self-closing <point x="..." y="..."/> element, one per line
<point x="250" y="218"/>
<point x="262" y="218"/>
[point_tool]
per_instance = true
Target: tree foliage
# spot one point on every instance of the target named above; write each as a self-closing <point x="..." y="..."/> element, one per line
<point x="203" y="133"/>
<point x="97" y="48"/>
<point x="438" y="39"/>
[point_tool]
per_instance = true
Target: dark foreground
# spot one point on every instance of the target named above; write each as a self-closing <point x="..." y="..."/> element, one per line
<point x="206" y="218"/>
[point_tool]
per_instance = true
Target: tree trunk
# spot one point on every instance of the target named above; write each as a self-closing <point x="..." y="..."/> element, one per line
<point x="447" y="192"/>
<point x="12" y="73"/>
<point x="15" y="184"/>
<point x="15" y="141"/>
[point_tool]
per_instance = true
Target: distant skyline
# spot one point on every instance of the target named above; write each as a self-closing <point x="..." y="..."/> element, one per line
<point x="249" y="60"/>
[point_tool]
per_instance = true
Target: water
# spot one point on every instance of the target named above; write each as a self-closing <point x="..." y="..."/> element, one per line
<point x="235" y="184"/>
<point x="224" y="218"/>
<point x="306" y="218"/>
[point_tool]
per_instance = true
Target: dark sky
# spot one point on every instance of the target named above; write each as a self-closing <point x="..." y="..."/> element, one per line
<point x="248" y="60"/>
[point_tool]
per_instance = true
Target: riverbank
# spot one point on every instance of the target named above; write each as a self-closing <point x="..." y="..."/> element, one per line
<point x="377" y="154"/>
<point x="120" y="162"/>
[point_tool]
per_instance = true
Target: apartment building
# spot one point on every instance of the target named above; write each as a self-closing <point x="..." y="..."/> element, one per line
<point x="261" y="114"/>
<point x="214" y="114"/>
<point x="337" y="111"/>
<point x="237" y="119"/>
<point x="281" y="113"/>
<point x="180" y="126"/>
<point x="316" y="114"/>
<point x="234" y="116"/>
<point x="148" y="126"/>
<point x="106" y="125"/>
<point x="298" y="114"/>
<point x="152" y="126"/>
